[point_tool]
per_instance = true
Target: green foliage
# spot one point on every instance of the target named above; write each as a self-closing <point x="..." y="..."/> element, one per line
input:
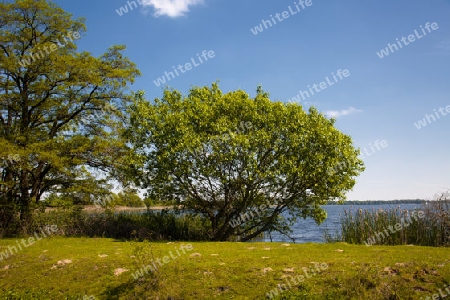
<point x="129" y="198"/>
<point x="61" y="113"/>
<point x="223" y="154"/>
<point x="55" y="200"/>
<point x="151" y="225"/>
<point x="150" y="202"/>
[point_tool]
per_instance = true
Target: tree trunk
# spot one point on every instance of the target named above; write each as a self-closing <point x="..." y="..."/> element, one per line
<point x="25" y="213"/>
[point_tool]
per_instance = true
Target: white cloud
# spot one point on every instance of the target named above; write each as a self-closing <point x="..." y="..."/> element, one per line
<point x="340" y="113"/>
<point x="171" y="8"/>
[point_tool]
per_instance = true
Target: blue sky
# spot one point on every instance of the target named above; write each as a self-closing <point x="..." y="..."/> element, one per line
<point x="380" y="100"/>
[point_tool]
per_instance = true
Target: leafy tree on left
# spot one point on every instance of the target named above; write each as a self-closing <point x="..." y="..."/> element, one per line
<point x="60" y="115"/>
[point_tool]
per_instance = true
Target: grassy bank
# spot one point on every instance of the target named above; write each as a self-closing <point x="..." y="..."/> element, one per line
<point x="73" y="268"/>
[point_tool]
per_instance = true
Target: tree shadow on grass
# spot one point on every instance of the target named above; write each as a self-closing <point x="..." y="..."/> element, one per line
<point x="132" y="290"/>
<point x="115" y="292"/>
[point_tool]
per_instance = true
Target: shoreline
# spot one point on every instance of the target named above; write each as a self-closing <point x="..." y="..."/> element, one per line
<point x="93" y="208"/>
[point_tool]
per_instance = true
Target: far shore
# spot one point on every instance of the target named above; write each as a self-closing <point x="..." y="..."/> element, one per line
<point x="93" y="208"/>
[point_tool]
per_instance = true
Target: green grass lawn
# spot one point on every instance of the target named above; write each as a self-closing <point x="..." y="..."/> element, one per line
<point x="84" y="268"/>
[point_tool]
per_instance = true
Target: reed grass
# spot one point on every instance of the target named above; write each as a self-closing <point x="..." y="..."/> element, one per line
<point x="378" y="226"/>
<point x="150" y="225"/>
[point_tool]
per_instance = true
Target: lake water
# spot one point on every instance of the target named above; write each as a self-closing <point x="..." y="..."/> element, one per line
<point x="307" y="231"/>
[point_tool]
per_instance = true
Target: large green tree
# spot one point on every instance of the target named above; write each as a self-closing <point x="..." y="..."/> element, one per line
<point x="60" y="110"/>
<point x="249" y="165"/>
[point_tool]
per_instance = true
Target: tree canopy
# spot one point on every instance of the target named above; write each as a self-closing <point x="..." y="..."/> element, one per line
<point x="69" y="124"/>
<point x="249" y="165"/>
<point x="60" y="110"/>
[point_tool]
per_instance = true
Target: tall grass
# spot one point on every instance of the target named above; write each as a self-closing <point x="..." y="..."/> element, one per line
<point x="431" y="228"/>
<point x="150" y="225"/>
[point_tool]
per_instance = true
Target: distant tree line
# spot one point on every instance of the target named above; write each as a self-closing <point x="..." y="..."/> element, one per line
<point x="378" y="202"/>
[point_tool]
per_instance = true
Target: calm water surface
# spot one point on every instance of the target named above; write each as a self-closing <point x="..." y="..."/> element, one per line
<point x="307" y="231"/>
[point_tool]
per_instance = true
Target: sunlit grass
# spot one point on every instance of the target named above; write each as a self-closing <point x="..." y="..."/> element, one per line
<point x="219" y="270"/>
